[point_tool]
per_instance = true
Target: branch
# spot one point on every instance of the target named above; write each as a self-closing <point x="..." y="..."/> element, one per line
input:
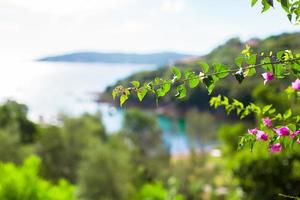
<point x="288" y="196"/>
<point x="222" y="72"/>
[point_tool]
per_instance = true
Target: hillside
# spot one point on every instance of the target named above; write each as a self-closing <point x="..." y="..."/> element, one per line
<point x="94" y="57"/>
<point x="225" y="53"/>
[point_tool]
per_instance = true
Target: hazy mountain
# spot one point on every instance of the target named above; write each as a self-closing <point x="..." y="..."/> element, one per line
<point x="93" y="57"/>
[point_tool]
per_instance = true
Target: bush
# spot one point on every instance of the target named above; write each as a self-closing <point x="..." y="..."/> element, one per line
<point x="23" y="183"/>
<point x="156" y="191"/>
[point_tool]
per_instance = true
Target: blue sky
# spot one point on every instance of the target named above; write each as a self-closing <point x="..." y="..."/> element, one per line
<point x="34" y="28"/>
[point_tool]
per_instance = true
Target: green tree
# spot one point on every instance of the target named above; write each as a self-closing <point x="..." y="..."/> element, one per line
<point x="201" y="128"/>
<point x="149" y="152"/>
<point x="106" y="172"/>
<point x="13" y="118"/>
<point x="61" y="148"/>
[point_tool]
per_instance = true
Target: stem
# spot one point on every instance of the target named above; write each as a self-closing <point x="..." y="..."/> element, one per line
<point x="288" y="196"/>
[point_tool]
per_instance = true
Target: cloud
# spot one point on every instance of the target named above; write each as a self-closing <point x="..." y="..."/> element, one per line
<point x="64" y="7"/>
<point x="173" y="6"/>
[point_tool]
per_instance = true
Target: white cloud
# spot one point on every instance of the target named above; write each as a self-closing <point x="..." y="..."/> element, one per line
<point x="64" y="7"/>
<point x="173" y="6"/>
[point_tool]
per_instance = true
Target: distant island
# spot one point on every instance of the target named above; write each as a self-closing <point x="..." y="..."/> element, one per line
<point x="133" y="58"/>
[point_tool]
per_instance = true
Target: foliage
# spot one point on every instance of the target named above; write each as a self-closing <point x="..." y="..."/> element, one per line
<point x="200" y="128"/>
<point x="224" y="54"/>
<point x="61" y="148"/>
<point x="280" y="65"/>
<point x="272" y="122"/>
<point x="106" y="172"/>
<point x="276" y="128"/>
<point x="156" y="191"/>
<point x="11" y="150"/>
<point x="291" y="7"/>
<point x="13" y="118"/>
<point x="150" y="155"/>
<point x="252" y="170"/>
<point x="280" y="174"/>
<point x="135" y="163"/>
<point x="24" y="183"/>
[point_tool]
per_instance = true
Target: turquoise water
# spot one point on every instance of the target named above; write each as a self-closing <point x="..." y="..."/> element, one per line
<point x="174" y="134"/>
<point x="173" y="130"/>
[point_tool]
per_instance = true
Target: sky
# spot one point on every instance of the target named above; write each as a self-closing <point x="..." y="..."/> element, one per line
<point x="30" y="29"/>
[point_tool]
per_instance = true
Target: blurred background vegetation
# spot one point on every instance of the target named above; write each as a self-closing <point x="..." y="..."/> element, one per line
<point x="76" y="158"/>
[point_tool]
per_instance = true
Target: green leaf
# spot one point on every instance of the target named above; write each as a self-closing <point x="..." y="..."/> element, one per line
<point x="123" y="98"/>
<point x="205" y="66"/>
<point x="279" y="70"/>
<point x="251" y="59"/>
<point x="270" y="2"/>
<point x="239" y="61"/>
<point x="209" y="83"/>
<point x="176" y="72"/>
<point x="194" y="82"/>
<point x="166" y="87"/>
<point x="267" y="66"/>
<point x="287" y="114"/>
<point x="266" y="6"/>
<point x="250" y="72"/>
<point x="290" y="17"/>
<point x="187" y="73"/>
<point x="266" y="108"/>
<point x="292" y="127"/>
<point x="181" y="91"/>
<point x="278" y="117"/>
<point x="280" y="55"/>
<point x="285" y="5"/>
<point x="160" y="92"/>
<point x="221" y="70"/>
<point x="135" y="84"/>
<point x="253" y="2"/>
<point x="141" y="93"/>
<point x="296" y="68"/>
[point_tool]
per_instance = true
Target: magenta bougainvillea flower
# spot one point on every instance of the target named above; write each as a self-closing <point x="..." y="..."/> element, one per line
<point x="267" y="122"/>
<point x="298" y="140"/>
<point x="294" y="134"/>
<point x="261" y="135"/>
<point x="252" y="131"/>
<point x="274" y="148"/>
<point x="283" y="131"/>
<point x="296" y="84"/>
<point x="268" y="76"/>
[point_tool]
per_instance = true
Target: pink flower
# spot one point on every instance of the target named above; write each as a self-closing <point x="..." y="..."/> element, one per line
<point x="294" y="134"/>
<point x="267" y="122"/>
<point x="261" y="135"/>
<point x="298" y="140"/>
<point x="252" y="131"/>
<point x="296" y="84"/>
<point x="268" y="76"/>
<point x="274" y="148"/>
<point x="283" y="131"/>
